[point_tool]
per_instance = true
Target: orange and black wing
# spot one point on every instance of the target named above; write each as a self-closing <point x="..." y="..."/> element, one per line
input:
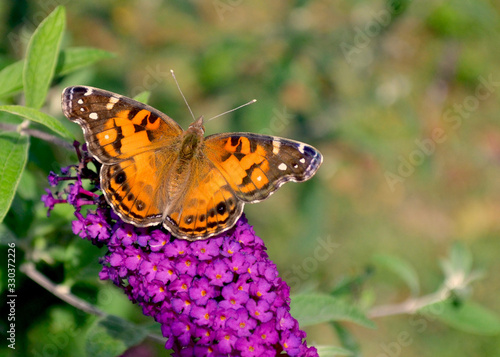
<point x="256" y="165"/>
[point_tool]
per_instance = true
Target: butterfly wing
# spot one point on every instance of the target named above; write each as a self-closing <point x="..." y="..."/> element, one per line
<point x="136" y="145"/>
<point x="256" y="165"/>
<point x="204" y="204"/>
<point x="116" y="127"/>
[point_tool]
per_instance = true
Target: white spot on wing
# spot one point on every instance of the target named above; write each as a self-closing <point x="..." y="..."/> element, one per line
<point x="276" y="146"/>
<point x="302" y="161"/>
<point x="82" y="109"/>
<point x="80" y="101"/>
<point x="301" y="148"/>
<point x="88" y="92"/>
<point x="93" y="116"/>
<point x="282" y="167"/>
<point x="259" y="178"/>
<point x="106" y="136"/>
<point x="112" y="102"/>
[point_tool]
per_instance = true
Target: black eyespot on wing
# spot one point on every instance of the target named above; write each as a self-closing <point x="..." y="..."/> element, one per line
<point x="120" y="178"/>
<point x="221" y="208"/>
<point x="140" y="205"/>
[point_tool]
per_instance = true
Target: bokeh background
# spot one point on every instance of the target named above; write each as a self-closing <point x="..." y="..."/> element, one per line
<point x="401" y="97"/>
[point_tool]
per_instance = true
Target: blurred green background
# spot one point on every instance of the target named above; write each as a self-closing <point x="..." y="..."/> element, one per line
<point x="401" y="97"/>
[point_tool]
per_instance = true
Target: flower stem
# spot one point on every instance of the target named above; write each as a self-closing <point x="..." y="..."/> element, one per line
<point x="37" y="134"/>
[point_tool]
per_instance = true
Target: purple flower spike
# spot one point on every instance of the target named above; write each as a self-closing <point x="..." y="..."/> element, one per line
<point x="215" y="297"/>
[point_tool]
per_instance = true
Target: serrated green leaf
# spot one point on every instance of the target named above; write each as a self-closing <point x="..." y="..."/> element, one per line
<point x="41" y="57"/>
<point x="39" y="117"/>
<point x="143" y="97"/>
<point x="467" y="316"/>
<point x="13" y="156"/>
<point x="11" y="78"/>
<point x="311" y="309"/>
<point x="74" y="58"/>
<point x="111" y="336"/>
<point x="402" y="269"/>
<point x="331" y="351"/>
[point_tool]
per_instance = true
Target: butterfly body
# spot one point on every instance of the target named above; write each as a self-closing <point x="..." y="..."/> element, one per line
<point x="154" y="172"/>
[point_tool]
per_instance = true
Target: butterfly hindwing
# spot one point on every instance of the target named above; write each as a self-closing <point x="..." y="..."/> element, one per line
<point x="117" y="127"/>
<point x="135" y="189"/>
<point x="206" y="206"/>
<point x="257" y="165"/>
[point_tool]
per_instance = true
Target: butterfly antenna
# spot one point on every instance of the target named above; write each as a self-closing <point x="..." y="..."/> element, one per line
<point x="182" y="94"/>
<point x="232" y="110"/>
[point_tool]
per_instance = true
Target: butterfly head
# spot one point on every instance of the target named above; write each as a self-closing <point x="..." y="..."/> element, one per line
<point x="197" y="127"/>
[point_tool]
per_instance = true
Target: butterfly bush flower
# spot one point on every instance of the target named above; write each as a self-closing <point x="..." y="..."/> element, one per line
<point x="215" y="297"/>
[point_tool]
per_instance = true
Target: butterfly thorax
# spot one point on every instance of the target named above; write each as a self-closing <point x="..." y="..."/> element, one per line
<point x="191" y="145"/>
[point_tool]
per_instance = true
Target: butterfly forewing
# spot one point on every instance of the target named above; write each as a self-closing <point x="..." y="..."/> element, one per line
<point x="117" y="127"/>
<point x="257" y="165"/>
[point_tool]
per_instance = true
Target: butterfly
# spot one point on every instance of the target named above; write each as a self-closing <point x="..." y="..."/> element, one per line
<point x="155" y="172"/>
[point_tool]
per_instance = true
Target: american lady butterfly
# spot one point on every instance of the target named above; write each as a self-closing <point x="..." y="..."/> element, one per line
<point x="154" y="172"/>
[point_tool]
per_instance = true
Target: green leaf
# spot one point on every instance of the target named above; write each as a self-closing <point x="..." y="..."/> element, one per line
<point x="39" y="117"/>
<point x="143" y="97"/>
<point x="331" y="351"/>
<point x="467" y="316"/>
<point x="41" y="57"/>
<point x="346" y="338"/>
<point x="70" y="60"/>
<point x="75" y="58"/>
<point x="402" y="269"/>
<point x="13" y="156"/>
<point x="347" y="284"/>
<point x="11" y="78"/>
<point x="310" y="309"/>
<point x="111" y="336"/>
